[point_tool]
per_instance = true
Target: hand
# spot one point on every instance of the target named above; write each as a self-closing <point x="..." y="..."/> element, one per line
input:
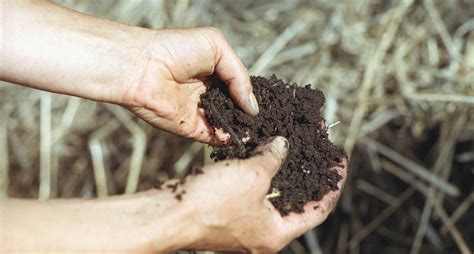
<point x="222" y="209"/>
<point x="180" y="62"/>
<point x="228" y="204"/>
<point x="158" y="74"/>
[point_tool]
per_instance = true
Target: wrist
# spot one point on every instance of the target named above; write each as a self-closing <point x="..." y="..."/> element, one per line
<point x="133" y="48"/>
<point x="138" y="55"/>
<point x="146" y="222"/>
<point x="173" y="224"/>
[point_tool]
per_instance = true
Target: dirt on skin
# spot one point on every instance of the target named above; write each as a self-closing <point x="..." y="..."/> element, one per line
<point x="285" y="110"/>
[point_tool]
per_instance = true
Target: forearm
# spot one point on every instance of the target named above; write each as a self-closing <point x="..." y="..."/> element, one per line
<point x="152" y="221"/>
<point x="51" y="48"/>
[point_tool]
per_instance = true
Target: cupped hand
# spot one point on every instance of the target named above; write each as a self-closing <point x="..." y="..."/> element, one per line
<point x="231" y="208"/>
<point x="180" y="63"/>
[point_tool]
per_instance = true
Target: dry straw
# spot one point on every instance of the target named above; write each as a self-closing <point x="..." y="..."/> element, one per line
<point x="396" y="74"/>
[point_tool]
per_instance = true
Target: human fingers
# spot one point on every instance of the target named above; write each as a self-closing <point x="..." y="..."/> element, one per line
<point x="232" y="71"/>
<point x="266" y="161"/>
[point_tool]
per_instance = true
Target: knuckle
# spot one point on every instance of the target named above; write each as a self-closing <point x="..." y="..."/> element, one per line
<point x="217" y="38"/>
<point x="273" y="159"/>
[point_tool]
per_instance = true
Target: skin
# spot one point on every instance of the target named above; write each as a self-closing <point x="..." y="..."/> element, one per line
<point x="159" y="75"/>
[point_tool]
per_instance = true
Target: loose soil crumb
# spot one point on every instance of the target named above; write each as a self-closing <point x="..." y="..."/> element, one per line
<point x="173" y="187"/>
<point x="157" y="184"/>
<point x="285" y="110"/>
<point x="197" y="171"/>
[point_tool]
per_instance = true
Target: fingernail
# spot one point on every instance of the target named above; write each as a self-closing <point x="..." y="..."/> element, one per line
<point x="281" y="144"/>
<point x="252" y="102"/>
<point x="276" y="144"/>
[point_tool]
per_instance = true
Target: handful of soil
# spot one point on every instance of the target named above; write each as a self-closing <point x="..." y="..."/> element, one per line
<point x="285" y="110"/>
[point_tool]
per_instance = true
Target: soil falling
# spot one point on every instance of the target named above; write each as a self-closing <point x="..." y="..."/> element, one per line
<point x="285" y="110"/>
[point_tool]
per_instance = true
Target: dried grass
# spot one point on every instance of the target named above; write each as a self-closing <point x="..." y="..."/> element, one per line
<point x="398" y="75"/>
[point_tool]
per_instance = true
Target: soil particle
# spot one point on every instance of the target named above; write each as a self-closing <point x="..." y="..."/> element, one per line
<point x="173" y="187"/>
<point x="157" y="184"/>
<point x="180" y="195"/>
<point x="285" y="110"/>
<point x="197" y="171"/>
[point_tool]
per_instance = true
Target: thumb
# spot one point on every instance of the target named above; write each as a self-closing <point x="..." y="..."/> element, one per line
<point x="269" y="157"/>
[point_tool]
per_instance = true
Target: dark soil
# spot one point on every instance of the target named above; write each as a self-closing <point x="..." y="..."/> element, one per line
<point x="175" y="186"/>
<point x="285" y="110"/>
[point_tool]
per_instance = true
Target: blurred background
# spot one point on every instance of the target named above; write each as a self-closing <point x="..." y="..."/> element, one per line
<point x="398" y="77"/>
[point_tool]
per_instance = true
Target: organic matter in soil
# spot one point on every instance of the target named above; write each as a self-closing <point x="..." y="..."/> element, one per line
<point x="285" y="110"/>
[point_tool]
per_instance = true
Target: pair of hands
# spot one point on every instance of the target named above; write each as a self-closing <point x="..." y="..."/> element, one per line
<point x="231" y="195"/>
<point x="158" y="75"/>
